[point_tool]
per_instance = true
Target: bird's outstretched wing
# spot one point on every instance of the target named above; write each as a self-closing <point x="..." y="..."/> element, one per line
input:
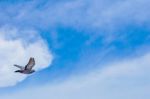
<point x="21" y="67"/>
<point x="30" y="64"/>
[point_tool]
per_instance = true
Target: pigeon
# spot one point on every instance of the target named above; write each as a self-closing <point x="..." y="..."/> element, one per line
<point x="28" y="68"/>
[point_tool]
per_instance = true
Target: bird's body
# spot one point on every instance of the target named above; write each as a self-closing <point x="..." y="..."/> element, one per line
<point x="28" y="68"/>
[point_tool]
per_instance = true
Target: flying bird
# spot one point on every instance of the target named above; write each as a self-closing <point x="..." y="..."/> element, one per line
<point x="28" y="68"/>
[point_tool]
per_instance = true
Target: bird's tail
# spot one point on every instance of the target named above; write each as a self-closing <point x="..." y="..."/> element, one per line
<point x="19" y="66"/>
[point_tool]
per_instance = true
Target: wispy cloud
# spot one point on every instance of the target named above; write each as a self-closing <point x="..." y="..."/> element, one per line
<point x="96" y="17"/>
<point x="82" y="14"/>
<point x="16" y="48"/>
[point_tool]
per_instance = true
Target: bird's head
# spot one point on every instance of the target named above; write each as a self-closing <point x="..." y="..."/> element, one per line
<point x="32" y="71"/>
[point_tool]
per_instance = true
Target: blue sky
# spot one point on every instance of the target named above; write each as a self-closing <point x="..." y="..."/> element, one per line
<point x="84" y="49"/>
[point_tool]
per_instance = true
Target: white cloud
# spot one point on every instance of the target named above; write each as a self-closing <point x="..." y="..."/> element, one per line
<point x="16" y="49"/>
<point x="126" y="79"/>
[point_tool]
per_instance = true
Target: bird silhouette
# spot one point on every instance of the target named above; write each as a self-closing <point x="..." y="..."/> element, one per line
<point x="27" y="69"/>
